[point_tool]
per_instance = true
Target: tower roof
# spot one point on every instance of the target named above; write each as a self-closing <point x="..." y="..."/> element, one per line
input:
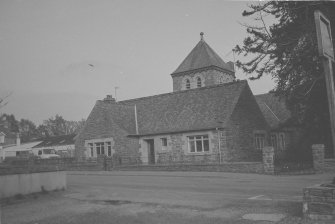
<point x="202" y="56"/>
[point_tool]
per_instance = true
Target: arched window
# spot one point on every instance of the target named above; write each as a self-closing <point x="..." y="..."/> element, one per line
<point x="221" y="79"/>
<point x="199" y="82"/>
<point x="188" y="84"/>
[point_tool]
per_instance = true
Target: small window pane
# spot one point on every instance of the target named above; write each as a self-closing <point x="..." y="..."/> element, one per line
<point x="199" y="146"/>
<point x="164" y="141"/>
<point x="192" y="146"/>
<point x="206" y="145"/>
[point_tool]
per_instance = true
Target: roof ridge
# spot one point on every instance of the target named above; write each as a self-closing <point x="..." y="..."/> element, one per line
<point x="183" y="91"/>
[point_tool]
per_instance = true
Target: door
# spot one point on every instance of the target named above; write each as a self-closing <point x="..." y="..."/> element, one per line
<point x="151" y="151"/>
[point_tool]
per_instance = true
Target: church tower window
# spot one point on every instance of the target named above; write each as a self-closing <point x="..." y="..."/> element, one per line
<point x="199" y="82"/>
<point x="188" y="84"/>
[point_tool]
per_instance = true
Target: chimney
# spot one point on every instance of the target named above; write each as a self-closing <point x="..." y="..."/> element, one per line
<point x="109" y="99"/>
<point x="18" y="140"/>
<point x="231" y="65"/>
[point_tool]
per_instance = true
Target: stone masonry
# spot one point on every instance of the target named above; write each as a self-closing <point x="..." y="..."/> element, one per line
<point x="209" y="77"/>
<point x="318" y="151"/>
<point x="268" y="160"/>
<point x="319" y="202"/>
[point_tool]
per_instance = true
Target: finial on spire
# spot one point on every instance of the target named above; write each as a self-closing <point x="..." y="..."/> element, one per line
<point x="202" y="36"/>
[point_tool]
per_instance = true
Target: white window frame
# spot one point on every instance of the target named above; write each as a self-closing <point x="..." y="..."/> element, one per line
<point x="109" y="148"/>
<point x="281" y="141"/>
<point x="259" y="141"/>
<point x="100" y="148"/>
<point x="91" y="147"/>
<point x="192" y="140"/>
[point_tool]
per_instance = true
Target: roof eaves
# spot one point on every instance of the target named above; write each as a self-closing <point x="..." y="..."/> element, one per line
<point x="175" y="132"/>
<point x="203" y="69"/>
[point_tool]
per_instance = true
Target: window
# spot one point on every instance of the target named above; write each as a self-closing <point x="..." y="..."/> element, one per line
<point x="282" y="141"/>
<point x="259" y="141"/>
<point x="90" y="145"/>
<point x="164" y="143"/>
<point x="199" y="143"/>
<point x="188" y="84"/>
<point x="100" y="147"/>
<point x="274" y="140"/>
<point x="221" y="80"/>
<point x="198" y="82"/>
<point x="109" y="148"/>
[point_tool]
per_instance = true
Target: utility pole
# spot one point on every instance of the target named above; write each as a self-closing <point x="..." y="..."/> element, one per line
<point x="115" y="88"/>
<point x="326" y="51"/>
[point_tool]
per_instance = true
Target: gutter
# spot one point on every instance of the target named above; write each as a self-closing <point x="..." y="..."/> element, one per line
<point x="174" y="132"/>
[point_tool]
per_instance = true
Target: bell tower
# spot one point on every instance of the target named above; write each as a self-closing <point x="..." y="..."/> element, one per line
<point x="202" y="67"/>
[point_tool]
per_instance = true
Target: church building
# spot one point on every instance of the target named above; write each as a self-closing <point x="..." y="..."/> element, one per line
<point x="210" y="117"/>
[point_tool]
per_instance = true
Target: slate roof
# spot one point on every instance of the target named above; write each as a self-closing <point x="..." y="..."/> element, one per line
<point x="23" y="147"/>
<point x="57" y="141"/>
<point x="202" y="56"/>
<point x="273" y="108"/>
<point x="189" y="110"/>
<point x="110" y="117"/>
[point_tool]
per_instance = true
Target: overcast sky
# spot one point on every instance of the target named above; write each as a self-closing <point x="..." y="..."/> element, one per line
<point x="60" y="56"/>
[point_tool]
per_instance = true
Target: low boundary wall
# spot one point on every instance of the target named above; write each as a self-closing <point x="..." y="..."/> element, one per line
<point x="27" y="183"/>
<point x="237" y="167"/>
<point x="319" y="202"/>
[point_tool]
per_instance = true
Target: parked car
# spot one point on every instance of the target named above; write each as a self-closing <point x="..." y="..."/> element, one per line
<point x="47" y="154"/>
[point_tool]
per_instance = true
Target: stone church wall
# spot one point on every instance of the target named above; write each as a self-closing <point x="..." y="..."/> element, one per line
<point x="209" y="77"/>
<point x="246" y="121"/>
<point x="177" y="150"/>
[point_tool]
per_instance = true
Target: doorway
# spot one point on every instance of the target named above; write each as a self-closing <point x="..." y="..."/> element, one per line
<point x="151" y="151"/>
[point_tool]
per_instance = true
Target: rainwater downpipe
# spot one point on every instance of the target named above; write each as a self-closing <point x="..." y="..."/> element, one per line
<point x="219" y="140"/>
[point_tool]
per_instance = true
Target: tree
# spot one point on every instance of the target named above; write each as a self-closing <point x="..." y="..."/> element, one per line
<point x="9" y="122"/>
<point x="287" y="50"/>
<point x="57" y="125"/>
<point x="28" y="130"/>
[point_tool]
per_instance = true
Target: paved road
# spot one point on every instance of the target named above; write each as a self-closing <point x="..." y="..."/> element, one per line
<point x="199" y="189"/>
<point x="166" y="197"/>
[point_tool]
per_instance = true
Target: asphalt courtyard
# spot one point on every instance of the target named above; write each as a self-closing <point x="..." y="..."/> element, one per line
<point x="167" y="197"/>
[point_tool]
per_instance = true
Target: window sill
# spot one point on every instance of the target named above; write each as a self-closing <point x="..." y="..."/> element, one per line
<point x="199" y="153"/>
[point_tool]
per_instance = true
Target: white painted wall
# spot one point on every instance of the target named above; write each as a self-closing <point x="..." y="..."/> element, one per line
<point x="11" y="185"/>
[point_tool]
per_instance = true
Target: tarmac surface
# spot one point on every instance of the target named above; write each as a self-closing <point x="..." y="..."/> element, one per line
<point x="168" y="197"/>
<point x="203" y="189"/>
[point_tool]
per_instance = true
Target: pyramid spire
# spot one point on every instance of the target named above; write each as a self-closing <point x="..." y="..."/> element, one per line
<point x="202" y="56"/>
